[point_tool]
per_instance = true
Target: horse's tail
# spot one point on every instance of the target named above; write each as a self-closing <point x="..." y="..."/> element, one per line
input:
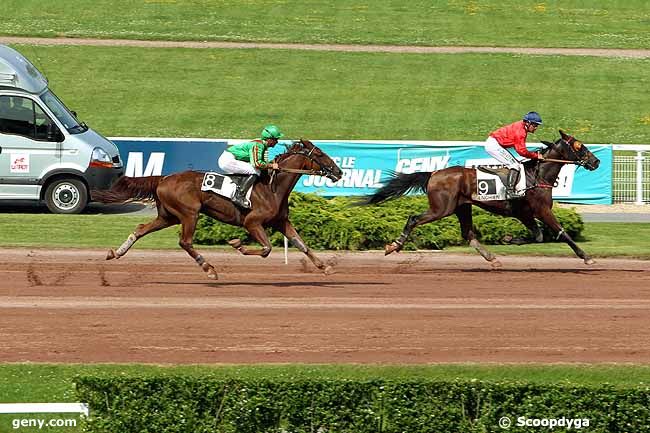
<point x="400" y="184"/>
<point x="129" y="189"/>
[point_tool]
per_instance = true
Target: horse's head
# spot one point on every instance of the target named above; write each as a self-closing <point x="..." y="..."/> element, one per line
<point x="571" y="149"/>
<point x="314" y="160"/>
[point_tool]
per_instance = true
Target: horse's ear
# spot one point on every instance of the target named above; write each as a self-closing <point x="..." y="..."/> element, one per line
<point x="563" y="134"/>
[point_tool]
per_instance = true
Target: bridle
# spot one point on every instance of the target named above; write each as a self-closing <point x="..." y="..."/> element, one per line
<point x="579" y="160"/>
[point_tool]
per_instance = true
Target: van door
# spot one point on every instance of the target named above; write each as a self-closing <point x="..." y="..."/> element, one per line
<point x="26" y="154"/>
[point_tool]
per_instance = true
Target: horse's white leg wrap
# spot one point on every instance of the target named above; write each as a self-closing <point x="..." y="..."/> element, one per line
<point x="200" y="260"/>
<point x="128" y="243"/>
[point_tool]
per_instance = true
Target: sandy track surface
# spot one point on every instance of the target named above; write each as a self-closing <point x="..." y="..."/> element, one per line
<point x="598" y="52"/>
<point x="153" y="306"/>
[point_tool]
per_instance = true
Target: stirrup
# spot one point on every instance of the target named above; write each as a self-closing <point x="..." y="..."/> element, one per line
<point x="513" y="193"/>
<point x="240" y="200"/>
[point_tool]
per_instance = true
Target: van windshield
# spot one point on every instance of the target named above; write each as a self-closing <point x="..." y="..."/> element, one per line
<point x="62" y="113"/>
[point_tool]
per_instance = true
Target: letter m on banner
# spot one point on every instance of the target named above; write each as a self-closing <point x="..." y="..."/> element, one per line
<point x="135" y="163"/>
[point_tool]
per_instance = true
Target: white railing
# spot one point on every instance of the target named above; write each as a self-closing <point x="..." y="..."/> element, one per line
<point x="631" y="174"/>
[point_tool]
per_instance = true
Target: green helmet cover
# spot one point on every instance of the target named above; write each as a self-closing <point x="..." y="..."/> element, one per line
<point x="271" y="131"/>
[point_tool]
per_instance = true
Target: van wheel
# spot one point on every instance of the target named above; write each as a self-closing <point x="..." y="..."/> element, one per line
<point x="66" y="196"/>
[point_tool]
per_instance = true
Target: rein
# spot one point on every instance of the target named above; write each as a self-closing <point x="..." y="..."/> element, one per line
<point x="563" y="161"/>
<point x="300" y="171"/>
<point x="540" y="183"/>
<point x="307" y="155"/>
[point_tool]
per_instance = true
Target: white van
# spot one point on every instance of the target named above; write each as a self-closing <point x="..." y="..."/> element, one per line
<point x="45" y="152"/>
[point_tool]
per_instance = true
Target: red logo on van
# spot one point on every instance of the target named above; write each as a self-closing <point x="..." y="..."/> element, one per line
<point x="19" y="163"/>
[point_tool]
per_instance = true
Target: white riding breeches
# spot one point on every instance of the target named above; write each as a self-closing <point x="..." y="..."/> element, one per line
<point x="499" y="153"/>
<point x="229" y="165"/>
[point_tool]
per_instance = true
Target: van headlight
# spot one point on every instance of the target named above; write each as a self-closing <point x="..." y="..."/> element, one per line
<point x="100" y="158"/>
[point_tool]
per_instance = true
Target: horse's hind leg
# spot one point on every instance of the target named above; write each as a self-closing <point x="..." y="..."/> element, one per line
<point x="188" y="225"/>
<point x="464" y="214"/>
<point x="529" y="221"/>
<point x="259" y="234"/>
<point x="411" y="223"/>
<point x="287" y="229"/>
<point x="163" y="220"/>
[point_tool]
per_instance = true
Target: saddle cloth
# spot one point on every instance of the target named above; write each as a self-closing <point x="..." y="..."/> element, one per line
<point x="223" y="184"/>
<point x="490" y="186"/>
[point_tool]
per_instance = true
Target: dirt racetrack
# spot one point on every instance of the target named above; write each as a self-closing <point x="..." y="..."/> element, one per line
<point x="158" y="307"/>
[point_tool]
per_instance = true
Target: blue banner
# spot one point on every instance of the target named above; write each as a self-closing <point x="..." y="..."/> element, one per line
<point x="156" y="157"/>
<point x="364" y="163"/>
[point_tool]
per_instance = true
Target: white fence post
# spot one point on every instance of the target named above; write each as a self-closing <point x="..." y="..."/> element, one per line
<point x="286" y="251"/>
<point x="639" y="177"/>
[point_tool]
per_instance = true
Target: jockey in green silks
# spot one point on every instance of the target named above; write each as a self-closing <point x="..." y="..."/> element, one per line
<point x="249" y="159"/>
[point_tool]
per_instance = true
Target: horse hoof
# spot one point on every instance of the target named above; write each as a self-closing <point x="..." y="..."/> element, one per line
<point x="212" y="274"/>
<point x="496" y="265"/>
<point x="111" y="254"/>
<point x="329" y="270"/>
<point x="391" y="248"/>
<point x="589" y="261"/>
<point x="235" y="243"/>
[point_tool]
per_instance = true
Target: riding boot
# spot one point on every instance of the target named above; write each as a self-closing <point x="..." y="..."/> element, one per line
<point x="240" y="195"/>
<point x="511" y="183"/>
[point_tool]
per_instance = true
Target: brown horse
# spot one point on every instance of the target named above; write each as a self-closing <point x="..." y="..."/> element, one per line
<point x="450" y="191"/>
<point x="179" y="200"/>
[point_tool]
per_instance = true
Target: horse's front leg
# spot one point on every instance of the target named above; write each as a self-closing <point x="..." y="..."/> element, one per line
<point x="549" y="219"/>
<point x="287" y="229"/>
<point x="259" y="234"/>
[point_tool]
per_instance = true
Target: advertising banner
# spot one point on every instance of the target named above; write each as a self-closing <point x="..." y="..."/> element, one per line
<point x="364" y="163"/>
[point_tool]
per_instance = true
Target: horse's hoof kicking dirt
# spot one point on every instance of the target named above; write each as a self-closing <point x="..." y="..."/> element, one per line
<point x="329" y="270"/>
<point x="235" y="243"/>
<point x="111" y="254"/>
<point x="391" y="248"/>
<point x="496" y="265"/>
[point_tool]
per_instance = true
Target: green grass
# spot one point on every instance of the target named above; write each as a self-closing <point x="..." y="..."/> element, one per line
<point x="104" y="231"/>
<point x="79" y="231"/>
<point x="559" y="23"/>
<point x="600" y="240"/>
<point x="327" y="95"/>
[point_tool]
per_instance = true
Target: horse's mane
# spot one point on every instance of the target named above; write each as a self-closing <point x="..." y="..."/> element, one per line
<point x="291" y="150"/>
<point x="531" y="163"/>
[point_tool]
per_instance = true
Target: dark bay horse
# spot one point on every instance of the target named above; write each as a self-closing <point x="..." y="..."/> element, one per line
<point x="179" y="200"/>
<point x="450" y="192"/>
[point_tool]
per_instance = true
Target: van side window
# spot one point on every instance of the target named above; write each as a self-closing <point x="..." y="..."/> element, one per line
<point x="21" y="116"/>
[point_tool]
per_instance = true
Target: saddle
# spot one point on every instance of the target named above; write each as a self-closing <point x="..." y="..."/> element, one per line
<point x="227" y="185"/>
<point x="491" y="184"/>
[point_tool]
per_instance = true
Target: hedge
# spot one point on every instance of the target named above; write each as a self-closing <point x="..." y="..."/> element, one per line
<point x="337" y="224"/>
<point x="178" y="404"/>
